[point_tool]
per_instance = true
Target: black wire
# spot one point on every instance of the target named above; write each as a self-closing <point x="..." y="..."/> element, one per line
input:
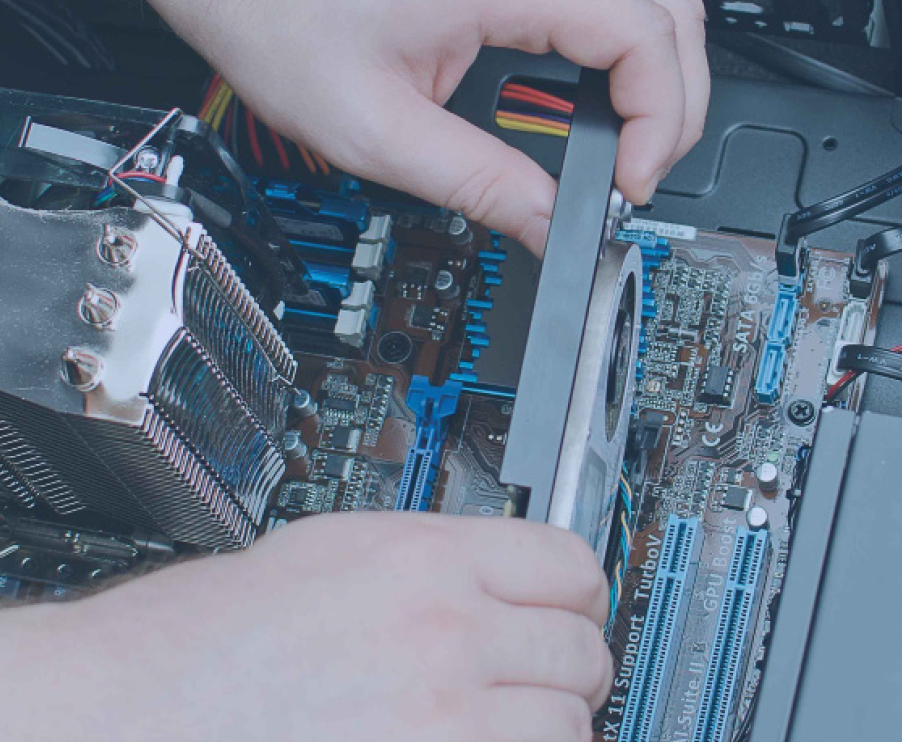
<point x="878" y="247"/>
<point x="871" y="360"/>
<point x="846" y="205"/>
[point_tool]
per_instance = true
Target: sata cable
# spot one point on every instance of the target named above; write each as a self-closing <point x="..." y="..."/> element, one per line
<point x="868" y="359"/>
<point x="878" y="247"/>
<point x="846" y="205"/>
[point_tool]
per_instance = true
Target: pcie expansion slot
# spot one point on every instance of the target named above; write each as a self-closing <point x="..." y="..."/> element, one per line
<point x="660" y="643"/>
<point x="735" y="628"/>
<point x="432" y="406"/>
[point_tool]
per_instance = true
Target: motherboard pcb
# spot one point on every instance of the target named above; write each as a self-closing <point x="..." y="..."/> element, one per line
<point x="714" y="466"/>
<point x="727" y="466"/>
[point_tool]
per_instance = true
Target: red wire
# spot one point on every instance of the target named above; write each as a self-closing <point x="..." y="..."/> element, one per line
<point x="252" y="137"/>
<point x="536" y="93"/>
<point x="208" y="96"/>
<point x="280" y="149"/>
<point x="508" y="95"/>
<point x="546" y="99"/>
<point x="141" y="174"/>
<point x="308" y="159"/>
<point x="323" y="165"/>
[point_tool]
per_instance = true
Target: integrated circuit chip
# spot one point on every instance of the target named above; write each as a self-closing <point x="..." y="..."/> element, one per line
<point x="345" y="438"/>
<point x="736" y="497"/>
<point x="340" y="405"/>
<point x="338" y="467"/>
<point x="717" y="388"/>
<point x="421" y="316"/>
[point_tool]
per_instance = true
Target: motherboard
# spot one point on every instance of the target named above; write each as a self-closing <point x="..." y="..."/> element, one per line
<point x="338" y="351"/>
<point x="713" y="473"/>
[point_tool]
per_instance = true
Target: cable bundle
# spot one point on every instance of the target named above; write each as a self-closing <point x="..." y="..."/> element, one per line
<point x="220" y="109"/>
<point x="524" y="108"/>
<point x="626" y="543"/>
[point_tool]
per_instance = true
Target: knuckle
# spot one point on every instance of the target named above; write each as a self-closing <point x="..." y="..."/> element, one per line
<point x="585" y="570"/>
<point x="575" y="718"/>
<point x="696" y="9"/>
<point x="478" y="195"/>
<point x="594" y="650"/>
<point x="661" y="21"/>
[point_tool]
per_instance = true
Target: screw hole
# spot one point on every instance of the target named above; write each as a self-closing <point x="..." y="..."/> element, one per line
<point x="830" y="144"/>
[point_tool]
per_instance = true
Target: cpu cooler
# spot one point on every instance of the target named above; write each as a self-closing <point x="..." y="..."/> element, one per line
<point x="139" y="378"/>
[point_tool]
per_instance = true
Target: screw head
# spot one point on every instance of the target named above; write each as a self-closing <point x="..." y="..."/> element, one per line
<point x="98" y="307"/>
<point x="800" y="412"/>
<point x="117" y="246"/>
<point x="81" y="368"/>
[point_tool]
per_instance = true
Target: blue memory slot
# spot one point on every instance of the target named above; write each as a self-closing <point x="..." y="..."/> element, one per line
<point x="660" y="643"/>
<point x="735" y="627"/>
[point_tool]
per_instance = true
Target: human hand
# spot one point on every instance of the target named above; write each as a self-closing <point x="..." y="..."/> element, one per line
<point x="363" y="82"/>
<point x="348" y="628"/>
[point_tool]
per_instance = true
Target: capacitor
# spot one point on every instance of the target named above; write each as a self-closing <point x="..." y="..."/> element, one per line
<point x="147" y="159"/>
<point x="459" y="231"/>
<point x="768" y="477"/>
<point x="757" y="518"/>
<point x="295" y="448"/>
<point x="445" y="285"/>
<point x="303" y="404"/>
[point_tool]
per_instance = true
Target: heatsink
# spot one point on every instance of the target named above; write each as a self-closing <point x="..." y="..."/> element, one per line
<point x="140" y="379"/>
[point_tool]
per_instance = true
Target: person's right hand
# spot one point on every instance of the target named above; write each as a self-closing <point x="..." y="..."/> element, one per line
<point x="347" y="628"/>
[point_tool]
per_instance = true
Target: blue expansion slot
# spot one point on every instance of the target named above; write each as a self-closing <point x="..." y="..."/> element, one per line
<point x="432" y="406"/>
<point x="770" y="373"/>
<point x="735" y="628"/>
<point x="660" y="643"/>
<point x="782" y="321"/>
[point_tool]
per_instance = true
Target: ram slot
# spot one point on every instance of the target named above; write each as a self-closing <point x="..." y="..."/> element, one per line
<point x="660" y="643"/>
<point x="735" y="628"/>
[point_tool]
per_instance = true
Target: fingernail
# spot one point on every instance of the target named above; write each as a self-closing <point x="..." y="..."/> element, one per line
<point x="653" y="185"/>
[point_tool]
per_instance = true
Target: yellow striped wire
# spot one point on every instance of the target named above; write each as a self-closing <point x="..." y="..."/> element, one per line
<point x="223" y="107"/>
<point x="205" y="111"/>
<point x="532" y="128"/>
<point x="221" y="94"/>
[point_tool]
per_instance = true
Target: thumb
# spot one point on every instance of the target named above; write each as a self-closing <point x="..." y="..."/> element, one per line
<point x="418" y="147"/>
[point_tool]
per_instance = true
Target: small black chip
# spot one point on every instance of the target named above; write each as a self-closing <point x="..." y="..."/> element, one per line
<point x="340" y="405"/>
<point x="345" y="439"/>
<point x="415" y="276"/>
<point x="718" y="385"/>
<point x="736" y="497"/>
<point x="421" y="316"/>
<point x="338" y="467"/>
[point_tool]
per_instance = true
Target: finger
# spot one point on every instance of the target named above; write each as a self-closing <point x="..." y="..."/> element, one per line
<point x="416" y="146"/>
<point x="636" y="40"/>
<point x="689" y="17"/>
<point x="534" y="564"/>
<point x="524" y="714"/>
<point x="551" y="648"/>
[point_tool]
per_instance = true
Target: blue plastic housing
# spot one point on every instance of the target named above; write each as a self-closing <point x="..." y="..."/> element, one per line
<point x="782" y="321"/>
<point x="660" y="643"/>
<point x="770" y="373"/>
<point x="432" y="406"/>
<point x="735" y="626"/>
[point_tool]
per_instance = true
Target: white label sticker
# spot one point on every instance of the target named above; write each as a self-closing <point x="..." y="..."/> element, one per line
<point x="664" y="229"/>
